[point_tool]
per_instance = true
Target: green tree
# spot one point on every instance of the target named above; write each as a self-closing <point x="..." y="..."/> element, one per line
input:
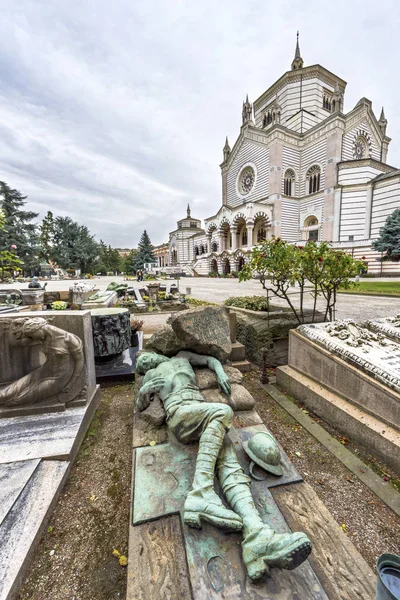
<point x="145" y="252"/>
<point x="109" y="259"/>
<point x="46" y="236"/>
<point x="18" y="229"/>
<point x="8" y="258"/>
<point x="129" y="262"/>
<point x="389" y="238"/>
<point x="74" y="246"/>
<point x="315" y="268"/>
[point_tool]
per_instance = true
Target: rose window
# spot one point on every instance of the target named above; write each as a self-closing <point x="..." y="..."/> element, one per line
<point x="246" y="180"/>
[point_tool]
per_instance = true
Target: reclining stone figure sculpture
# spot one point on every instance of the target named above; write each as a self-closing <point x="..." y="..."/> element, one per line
<point x="191" y="418"/>
<point x="60" y="378"/>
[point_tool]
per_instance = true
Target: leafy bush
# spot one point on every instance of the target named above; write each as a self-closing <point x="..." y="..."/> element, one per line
<point x="259" y="303"/>
<point x="59" y="305"/>
<point x="196" y="302"/>
<point x="161" y="295"/>
<point x="279" y="265"/>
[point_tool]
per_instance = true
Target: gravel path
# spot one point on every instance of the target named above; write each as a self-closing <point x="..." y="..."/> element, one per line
<point x="74" y="560"/>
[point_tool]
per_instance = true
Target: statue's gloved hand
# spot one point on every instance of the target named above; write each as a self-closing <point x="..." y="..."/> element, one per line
<point x="143" y="400"/>
<point x="224" y="383"/>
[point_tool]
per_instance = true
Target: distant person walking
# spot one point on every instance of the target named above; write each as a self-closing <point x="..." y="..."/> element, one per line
<point x="139" y="275"/>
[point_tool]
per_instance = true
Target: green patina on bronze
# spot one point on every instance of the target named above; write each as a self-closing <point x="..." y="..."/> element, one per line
<point x="192" y="419"/>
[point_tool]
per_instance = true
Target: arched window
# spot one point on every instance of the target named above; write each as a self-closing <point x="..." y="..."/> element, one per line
<point x="261" y="234"/>
<point x="288" y="184"/>
<point x="327" y="103"/>
<point x="244" y="237"/>
<point x="267" y="118"/>
<point x="196" y="250"/>
<point x="312" y="221"/>
<point x="313" y="178"/>
<point x="202" y="249"/>
<point x="214" y="247"/>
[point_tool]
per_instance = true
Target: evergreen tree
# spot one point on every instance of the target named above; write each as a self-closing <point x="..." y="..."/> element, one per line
<point x="46" y="236"/>
<point x="389" y="238"/>
<point x="145" y="252"/>
<point x="18" y="230"/>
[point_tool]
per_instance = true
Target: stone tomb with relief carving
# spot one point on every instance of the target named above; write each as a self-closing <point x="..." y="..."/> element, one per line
<point x="349" y="374"/>
<point x="48" y="395"/>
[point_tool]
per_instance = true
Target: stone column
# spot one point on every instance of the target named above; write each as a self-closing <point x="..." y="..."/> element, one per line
<point x="275" y="184"/>
<point x="336" y="222"/>
<point x="234" y="238"/>
<point x="250" y="230"/>
<point x="221" y="242"/>
<point x="209" y="243"/>
<point x="368" y="212"/>
<point x="333" y="155"/>
<point x="224" y="175"/>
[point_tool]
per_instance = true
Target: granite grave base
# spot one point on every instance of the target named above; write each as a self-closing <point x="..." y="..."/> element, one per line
<point x="36" y="454"/>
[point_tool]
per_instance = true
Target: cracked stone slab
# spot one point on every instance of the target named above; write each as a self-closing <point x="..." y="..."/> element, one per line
<point x="23" y="525"/>
<point x="13" y="478"/>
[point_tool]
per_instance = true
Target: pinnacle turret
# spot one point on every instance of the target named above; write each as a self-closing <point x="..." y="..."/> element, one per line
<point x="337" y="99"/>
<point x="227" y="149"/>
<point x="382" y="122"/>
<point x="188" y="211"/>
<point x="297" y="61"/>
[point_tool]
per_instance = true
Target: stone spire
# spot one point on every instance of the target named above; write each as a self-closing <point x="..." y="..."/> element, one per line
<point x="188" y="211"/>
<point x="297" y="62"/>
<point x="227" y="149"/>
<point x="247" y="111"/>
<point x="382" y="122"/>
<point x="337" y="99"/>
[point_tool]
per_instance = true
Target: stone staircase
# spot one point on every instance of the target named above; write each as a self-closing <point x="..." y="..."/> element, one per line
<point x="200" y="267"/>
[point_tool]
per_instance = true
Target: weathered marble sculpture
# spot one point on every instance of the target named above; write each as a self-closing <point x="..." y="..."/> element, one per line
<point x="191" y="418"/>
<point x="60" y="378"/>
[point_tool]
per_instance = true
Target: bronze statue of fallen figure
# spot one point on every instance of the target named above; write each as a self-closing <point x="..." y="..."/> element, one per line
<point x="191" y="418"/>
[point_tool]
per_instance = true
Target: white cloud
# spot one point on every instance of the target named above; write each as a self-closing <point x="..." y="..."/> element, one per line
<point x="116" y="112"/>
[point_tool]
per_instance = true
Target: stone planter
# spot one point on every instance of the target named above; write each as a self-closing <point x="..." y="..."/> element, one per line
<point x="32" y="296"/>
<point x="111" y="331"/>
<point x="257" y="330"/>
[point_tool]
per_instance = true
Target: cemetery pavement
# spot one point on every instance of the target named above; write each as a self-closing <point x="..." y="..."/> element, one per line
<point x="217" y="290"/>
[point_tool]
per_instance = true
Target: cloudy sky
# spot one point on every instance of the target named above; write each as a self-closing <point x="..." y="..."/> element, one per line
<point x="115" y="112"/>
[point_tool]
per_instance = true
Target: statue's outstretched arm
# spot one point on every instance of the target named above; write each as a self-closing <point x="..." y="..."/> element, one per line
<point x="201" y="360"/>
<point x="146" y="392"/>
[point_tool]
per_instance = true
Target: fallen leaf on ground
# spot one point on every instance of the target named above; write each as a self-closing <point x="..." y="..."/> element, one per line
<point x="123" y="561"/>
<point x="116" y="553"/>
<point x="343" y="527"/>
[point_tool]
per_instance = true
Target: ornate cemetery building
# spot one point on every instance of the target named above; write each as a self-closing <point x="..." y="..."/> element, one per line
<point x="300" y="169"/>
